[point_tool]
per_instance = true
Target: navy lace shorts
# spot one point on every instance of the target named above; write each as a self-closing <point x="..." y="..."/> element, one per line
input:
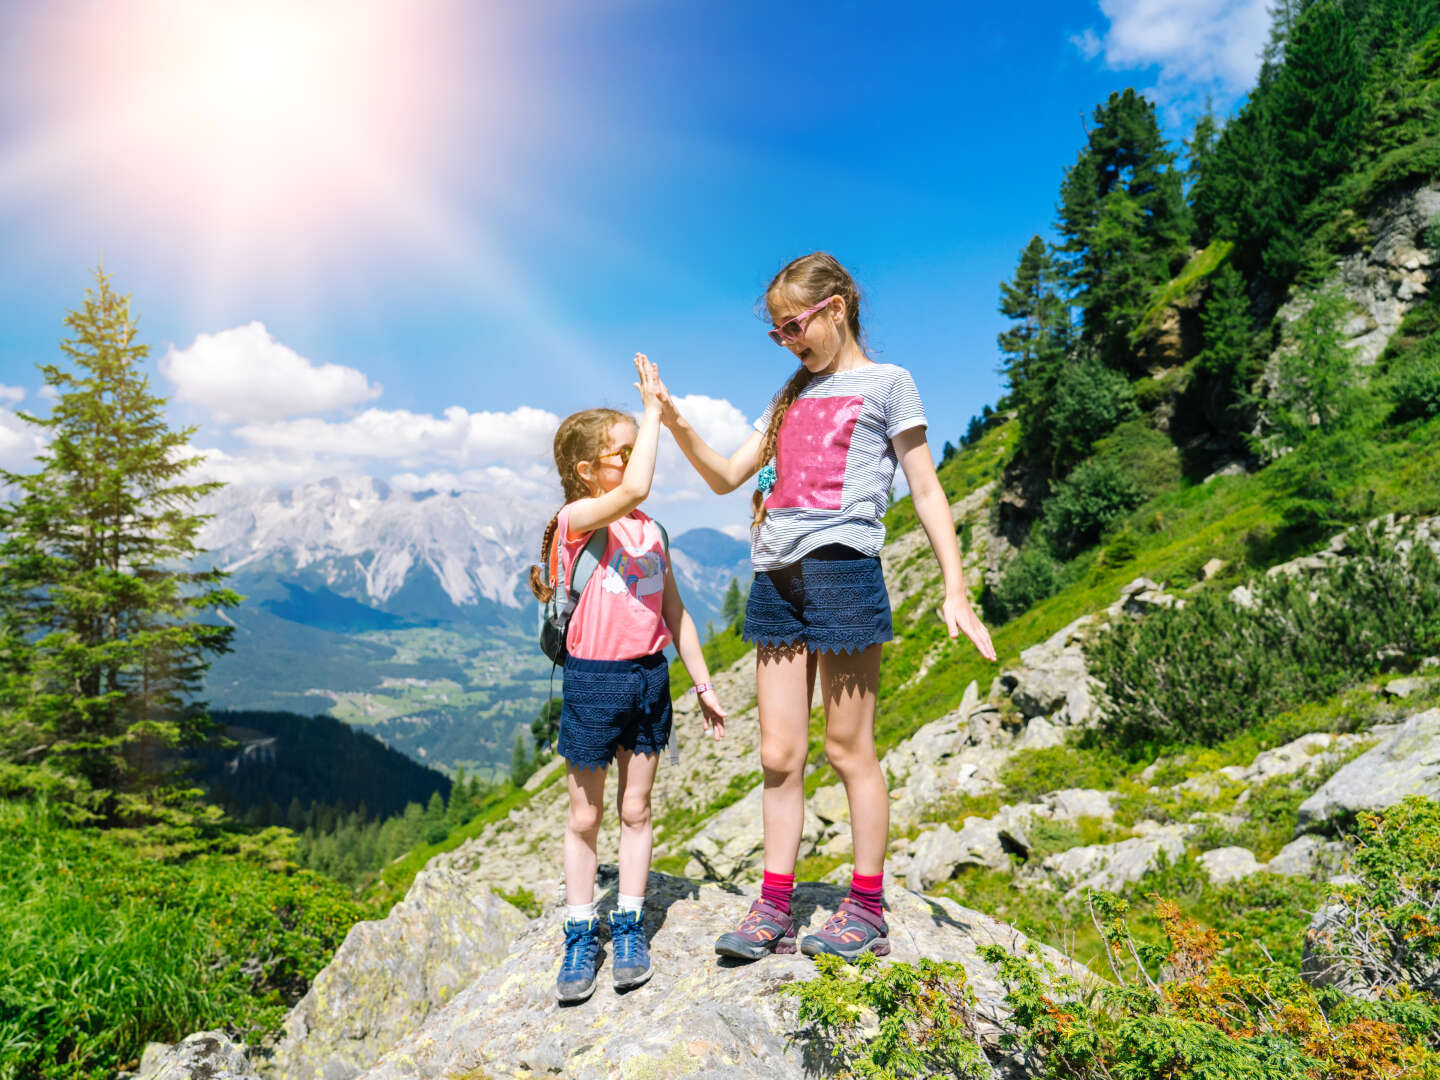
<point x="614" y="703"/>
<point x="833" y="599"/>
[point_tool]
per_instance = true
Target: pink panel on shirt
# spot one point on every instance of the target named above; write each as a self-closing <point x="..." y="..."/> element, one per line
<point x="814" y="443"/>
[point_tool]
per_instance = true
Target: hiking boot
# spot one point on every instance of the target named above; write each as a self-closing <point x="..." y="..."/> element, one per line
<point x="849" y="932"/>
<point x="764" y="929"/>
<point x="576" y="980"/>
<point x="631" y="965"/>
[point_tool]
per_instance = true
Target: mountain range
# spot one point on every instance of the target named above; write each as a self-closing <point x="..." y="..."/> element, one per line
<point x="406" y="612"/>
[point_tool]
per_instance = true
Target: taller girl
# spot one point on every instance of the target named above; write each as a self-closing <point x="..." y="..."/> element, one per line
<point x="825" y="449"/>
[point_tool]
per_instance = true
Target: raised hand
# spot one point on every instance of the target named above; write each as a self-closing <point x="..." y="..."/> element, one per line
<point x="714" y="714"/>
<point x="649" y="383"/>
<point x="668" y="412"/>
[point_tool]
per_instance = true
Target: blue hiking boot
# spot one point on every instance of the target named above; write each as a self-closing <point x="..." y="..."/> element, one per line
<point x="576" y="980"/>
<point x="631" y="966"/>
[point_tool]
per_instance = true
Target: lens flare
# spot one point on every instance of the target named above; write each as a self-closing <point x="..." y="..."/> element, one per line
<point x="239" y="130"/>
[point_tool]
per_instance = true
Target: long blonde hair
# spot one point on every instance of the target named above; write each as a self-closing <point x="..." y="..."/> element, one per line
<point x="580" y="437"/>
<point x="807" y="280"/>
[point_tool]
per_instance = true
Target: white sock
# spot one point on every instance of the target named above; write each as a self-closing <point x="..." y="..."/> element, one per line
<point x="634" y="904"/>
<point x="580" y="912"/>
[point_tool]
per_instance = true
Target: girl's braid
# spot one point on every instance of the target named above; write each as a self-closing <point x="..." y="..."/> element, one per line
<point x="580" y="437"/>
<point x="806" y="280"/>
<point x="791" y="391"/>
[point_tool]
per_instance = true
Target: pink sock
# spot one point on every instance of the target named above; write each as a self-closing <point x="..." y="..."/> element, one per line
<point x="778" y="888"/>
<point x="868" y="891"/>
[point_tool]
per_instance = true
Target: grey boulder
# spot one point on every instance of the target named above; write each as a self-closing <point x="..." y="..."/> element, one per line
<point x="389" y="975"/>
<point x="206" y="1055"/>
<point x="1406" y="762"/>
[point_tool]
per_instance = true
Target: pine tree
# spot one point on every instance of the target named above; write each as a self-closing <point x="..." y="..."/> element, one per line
<point x="1228" y="330"/>
<point x="1036" y="344"/>
<point x="100" y="656"/>
<point x="1200" y="147"/>
<point x="1124" y="223"/>
<point x="522" y="762"/>
<point x="545" y="728"/>
<point x="732" y="607"/>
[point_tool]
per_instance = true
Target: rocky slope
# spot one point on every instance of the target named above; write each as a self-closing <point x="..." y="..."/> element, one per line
<point x="447" y="987"/>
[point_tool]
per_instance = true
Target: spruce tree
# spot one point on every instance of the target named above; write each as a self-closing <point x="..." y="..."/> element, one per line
<point x="1228" y="330"/>
<point x="732" y="607"/>
<point x="100" y="653"/>
<point x="1036" y="344"/>
<point x="1200" y="147"/>
<point x="1124" y="223"/>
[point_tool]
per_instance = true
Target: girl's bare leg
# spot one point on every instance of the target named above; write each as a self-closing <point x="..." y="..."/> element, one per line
<point x="636" y="778"/>
<point x="849" y="683"/>
<point x="587" y="794"/>
<point x="784" y="683"/>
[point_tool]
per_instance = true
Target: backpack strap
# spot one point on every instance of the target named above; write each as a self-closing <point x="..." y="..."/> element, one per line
<point x="674" y="733"/>
<point x="587" y="562"/>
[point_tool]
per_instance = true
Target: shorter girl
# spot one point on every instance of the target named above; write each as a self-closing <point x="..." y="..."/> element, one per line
<point x="616" y="698"/>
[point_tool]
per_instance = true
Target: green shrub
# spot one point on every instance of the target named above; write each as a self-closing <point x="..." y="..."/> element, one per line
<point x="1031" y="576"/>
<point x="923" y="1020"/>
<point x="1391" y="932"/>
<point x="1086" y="501"/>
<point x="1415" y="390"/>
<point x="1089" y="401"/>
<point x="1204" y="1020"/>
<point x="1212" y="668"/>
<point x="107" y="947"/>
<point x="1029" y="774"/>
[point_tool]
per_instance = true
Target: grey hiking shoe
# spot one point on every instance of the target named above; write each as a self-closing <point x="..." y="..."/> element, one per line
<point x="576" y="980"/>
<point x="849" y="932"/>
<point x="631" y="965"/>
<point x="764" y="929"/>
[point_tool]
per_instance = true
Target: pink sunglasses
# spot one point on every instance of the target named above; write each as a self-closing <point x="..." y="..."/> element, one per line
<point x="792" y="329"/>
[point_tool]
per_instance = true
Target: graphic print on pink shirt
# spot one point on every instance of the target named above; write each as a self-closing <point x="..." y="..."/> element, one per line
<point x="811" y="451"/>
<point x="620" y="614"/>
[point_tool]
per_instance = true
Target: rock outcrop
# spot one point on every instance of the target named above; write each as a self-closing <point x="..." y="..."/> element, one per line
<point x="389" y="975"/>
<point x="699" y="1016"/>
<point x="1405" y="762"/>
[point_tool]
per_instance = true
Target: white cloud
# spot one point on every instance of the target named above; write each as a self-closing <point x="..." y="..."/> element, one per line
<point x="19" y="443"/>
<point x="416" y="440"/>
<point x="12" y="394"/>
<point x="244" y="374"/>
<point x="506" y="455"/>
<point x="717" y="421"/>
<point x="1088" y="43"/>
<point x="1198" y="45"/>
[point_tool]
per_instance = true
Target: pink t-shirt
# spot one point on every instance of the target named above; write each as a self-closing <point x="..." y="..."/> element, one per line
<point x="618" y="616"/>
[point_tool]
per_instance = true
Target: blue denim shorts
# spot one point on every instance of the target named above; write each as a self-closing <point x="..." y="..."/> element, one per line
<point x="608" y="704"/>
<point x="833" y="600"/>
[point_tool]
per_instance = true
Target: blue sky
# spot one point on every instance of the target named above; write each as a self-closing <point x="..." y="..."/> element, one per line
<point x="402" y="239"/>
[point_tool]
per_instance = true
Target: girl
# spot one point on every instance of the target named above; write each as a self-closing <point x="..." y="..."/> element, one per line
<point x="616" y="699"/>
<point x="825" y="450"/>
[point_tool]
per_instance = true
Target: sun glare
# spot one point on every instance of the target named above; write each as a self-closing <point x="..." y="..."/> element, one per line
<point x="233" y="126"/>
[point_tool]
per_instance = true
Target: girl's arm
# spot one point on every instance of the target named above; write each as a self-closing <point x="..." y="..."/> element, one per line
<point x="933" y="510"/>
<point x="687" y="644"/>
<point x="723" y="474"/>
<point x="587" y="515"/>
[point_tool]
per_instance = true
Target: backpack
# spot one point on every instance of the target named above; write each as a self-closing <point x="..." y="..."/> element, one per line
<point x="555" y="613"/>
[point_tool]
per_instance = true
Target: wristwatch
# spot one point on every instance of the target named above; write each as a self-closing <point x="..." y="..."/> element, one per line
<point x="700" y="688"/>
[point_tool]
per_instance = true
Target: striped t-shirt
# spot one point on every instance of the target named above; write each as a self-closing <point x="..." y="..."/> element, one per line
<point x="834" y="463"/>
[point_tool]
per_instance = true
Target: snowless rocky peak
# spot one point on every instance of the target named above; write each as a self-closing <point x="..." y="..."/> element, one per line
<point x="363" y="536"/>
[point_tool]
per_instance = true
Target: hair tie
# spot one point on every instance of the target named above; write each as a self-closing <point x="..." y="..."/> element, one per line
<point x="765" y="479"/>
